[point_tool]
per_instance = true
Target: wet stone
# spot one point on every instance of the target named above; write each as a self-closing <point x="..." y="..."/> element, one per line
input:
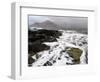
<point x="54" y="61"/>
<point x="59" y="58"/>
<point x="30" y="61"/>
<point x="48" y="64"/>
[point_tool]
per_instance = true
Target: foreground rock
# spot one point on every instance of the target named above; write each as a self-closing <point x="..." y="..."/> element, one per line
<point x="75" y="53"/>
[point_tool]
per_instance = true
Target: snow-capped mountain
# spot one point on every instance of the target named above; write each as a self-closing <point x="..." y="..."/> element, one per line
<point x="56" y="47"/>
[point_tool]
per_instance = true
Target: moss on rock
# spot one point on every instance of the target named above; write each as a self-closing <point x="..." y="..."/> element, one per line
<point x="75" y="53"/>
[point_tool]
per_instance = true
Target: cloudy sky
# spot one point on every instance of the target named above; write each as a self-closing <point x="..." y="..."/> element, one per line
<point x="73" y="22"/>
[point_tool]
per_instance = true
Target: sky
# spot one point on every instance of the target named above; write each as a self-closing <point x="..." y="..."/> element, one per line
<point x="75" y="22"/>
<point x="34" y="19"/>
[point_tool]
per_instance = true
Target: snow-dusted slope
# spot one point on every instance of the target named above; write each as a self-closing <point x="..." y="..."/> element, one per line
<point x="62" y="51"/>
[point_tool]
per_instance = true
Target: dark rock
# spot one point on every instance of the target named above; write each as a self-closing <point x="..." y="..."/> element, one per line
<point x="46" y="35"/>
<point x="84" y="42"/>
<point x="66" y="57"/>
<point x="54" y="61"/>
<point x="36" y="37"/>
<point x="62" y="51"/>
<point x="80" y="44"/>
<point x="30" y="61"/>
<point x="59" y="58"/>
<point x="69" y="64"/>
<point x="31" y="53"/>
<point x="48" y="64"/>
<point x="37" y="47"/>
<point x="50" y="39"/>
<point x="30" y="65"/>
<point x="86" y="56"/>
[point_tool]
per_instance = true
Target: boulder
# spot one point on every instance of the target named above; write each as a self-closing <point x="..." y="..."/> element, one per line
<point x="75" y="53"/>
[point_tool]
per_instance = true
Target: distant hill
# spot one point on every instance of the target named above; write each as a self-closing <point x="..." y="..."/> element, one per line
<point x="46" y="25"/>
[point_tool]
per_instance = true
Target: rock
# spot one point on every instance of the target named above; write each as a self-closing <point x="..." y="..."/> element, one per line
<point x="48" y="64"/>
<point x="37" y="47"/>
<point x="69" y="64"/>
<point x="30" y="61"/>
<point x="36" y="37"/>
<point x="44" y="35"/>
<point x="86" y="56"/>
<point x="75" y="53"/>
<point x="54" y="61"/>
<point x="59" y="58"/>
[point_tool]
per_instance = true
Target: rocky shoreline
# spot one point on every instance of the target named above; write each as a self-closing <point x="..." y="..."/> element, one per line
<point x="53" y="47"/>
